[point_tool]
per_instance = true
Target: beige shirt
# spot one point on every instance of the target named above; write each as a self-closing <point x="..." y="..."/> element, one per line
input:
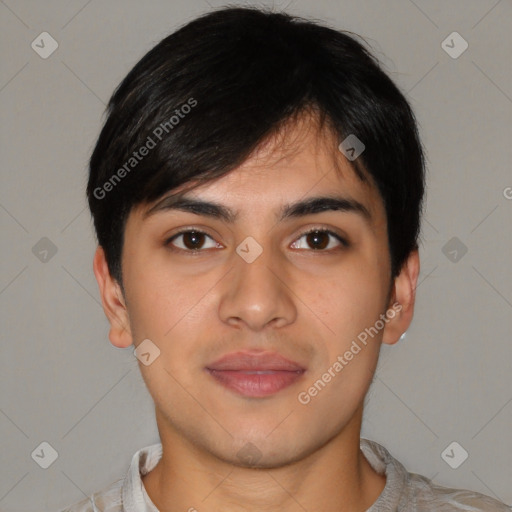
<point x="404" y="491"/>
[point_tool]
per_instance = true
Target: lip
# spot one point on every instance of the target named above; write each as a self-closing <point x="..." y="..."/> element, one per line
<point x="255" y="361"/>
<point x="255" y="375"/>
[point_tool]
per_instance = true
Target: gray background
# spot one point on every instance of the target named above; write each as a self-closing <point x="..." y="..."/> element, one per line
<point x="61" y="380"/>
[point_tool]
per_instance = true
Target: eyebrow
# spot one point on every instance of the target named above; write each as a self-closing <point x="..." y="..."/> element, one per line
<point x="309" y="206"/>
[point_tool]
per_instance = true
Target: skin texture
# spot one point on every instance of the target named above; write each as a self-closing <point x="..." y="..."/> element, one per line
<point x="307" y="304"/>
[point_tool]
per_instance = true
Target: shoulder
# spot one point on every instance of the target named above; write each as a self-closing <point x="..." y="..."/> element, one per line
<point x="427" y="495"/>
<point x="411" y="492"/>
<point x="107" y="500"/>
<point x="110" y="499"/>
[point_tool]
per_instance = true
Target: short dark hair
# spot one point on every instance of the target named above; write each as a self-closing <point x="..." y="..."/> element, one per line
<point x="209" y="94"/>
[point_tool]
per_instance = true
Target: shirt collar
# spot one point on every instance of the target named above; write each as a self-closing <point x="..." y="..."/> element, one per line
<point x="396" y="475"/>
<point x="134" y="495"/>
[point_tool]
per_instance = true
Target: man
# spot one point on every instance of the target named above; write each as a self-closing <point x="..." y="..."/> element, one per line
<point x="257" y="191"/>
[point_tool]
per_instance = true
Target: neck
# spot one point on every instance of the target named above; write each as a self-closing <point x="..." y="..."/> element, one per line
<point x="334" y="477"/>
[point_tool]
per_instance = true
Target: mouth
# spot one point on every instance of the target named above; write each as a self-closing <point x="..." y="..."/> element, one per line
<point x="255" y="375"/>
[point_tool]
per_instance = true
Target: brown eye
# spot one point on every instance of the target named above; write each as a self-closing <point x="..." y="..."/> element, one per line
<point x="319" y="239"/>
<point x="192" y="240"/>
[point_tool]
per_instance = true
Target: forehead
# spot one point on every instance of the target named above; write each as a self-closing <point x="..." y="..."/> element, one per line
<point x="301" y="160"/>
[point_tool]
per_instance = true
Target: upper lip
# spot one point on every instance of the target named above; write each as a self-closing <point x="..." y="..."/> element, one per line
<point x="255" y="362"/>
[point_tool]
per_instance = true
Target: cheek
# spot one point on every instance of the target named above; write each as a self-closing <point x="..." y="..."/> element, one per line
<point x="352" y="304"/>
<point x="155" y="302"/>
<point x="349" y="300"/>
<point x="165" y="303"/>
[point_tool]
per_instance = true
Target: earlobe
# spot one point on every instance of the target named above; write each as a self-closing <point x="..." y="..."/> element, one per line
<point x="403" y="299"/>
<point x="113" y="303"/>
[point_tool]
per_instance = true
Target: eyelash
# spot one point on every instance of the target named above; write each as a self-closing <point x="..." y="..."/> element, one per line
<point x="168" y="242"/>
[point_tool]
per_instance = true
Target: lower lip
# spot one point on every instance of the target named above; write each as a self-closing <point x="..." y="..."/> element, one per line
<point x="256" y="384"/>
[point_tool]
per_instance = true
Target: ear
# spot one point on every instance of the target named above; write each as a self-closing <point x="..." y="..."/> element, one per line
<point x="402" y="299"/>
<point x="113" y="302"/>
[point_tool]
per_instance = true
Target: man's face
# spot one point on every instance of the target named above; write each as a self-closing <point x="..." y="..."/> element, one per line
<point x="305" y="297"/>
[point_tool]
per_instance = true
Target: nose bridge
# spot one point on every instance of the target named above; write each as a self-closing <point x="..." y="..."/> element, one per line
<point x="255" y="293"/>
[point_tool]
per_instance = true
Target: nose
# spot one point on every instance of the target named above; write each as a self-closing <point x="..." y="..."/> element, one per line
<point x="256" y="294"/>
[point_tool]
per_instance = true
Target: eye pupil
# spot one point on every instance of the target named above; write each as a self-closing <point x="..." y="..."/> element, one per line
<point x="315" y="236"/>
<point x="195" y="238"/>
